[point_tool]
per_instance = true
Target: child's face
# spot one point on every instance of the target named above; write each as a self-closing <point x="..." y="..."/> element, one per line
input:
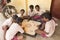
<point x="44" y="19"/>
<point x="22" y="12"/>
<point x="31" y="8"/>
<point x="37" y="8"/>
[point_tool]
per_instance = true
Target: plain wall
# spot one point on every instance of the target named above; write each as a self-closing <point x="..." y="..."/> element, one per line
<point x="21" y="4"/>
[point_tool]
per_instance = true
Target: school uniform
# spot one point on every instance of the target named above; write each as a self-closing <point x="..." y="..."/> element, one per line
<point x="50" y="28"/>
<point x="39" y="12"/>
<point x="31" y="13"/>
<point x="11" y="32"/>
<point x="19" y="15"/>
<point x="8" y="22"/>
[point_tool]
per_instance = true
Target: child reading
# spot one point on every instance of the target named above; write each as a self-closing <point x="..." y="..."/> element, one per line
<point x="49" y="26"/>
<point x="14" y="28"/>
<point x="8" y="23"/>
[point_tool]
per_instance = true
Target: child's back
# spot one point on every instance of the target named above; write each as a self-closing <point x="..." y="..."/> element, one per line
<point x="50" y="27"/>
<point x="13" y="30"/>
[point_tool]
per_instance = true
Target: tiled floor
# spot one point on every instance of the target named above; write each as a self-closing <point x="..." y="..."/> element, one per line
<point x="56" y="35"/>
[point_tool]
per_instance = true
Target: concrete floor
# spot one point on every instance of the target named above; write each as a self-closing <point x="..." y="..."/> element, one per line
<point x="56" y="35"/>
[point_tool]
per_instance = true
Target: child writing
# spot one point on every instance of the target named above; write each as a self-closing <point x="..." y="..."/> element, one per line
<point x="49" y="26"/>
<point x="14" y="28"/>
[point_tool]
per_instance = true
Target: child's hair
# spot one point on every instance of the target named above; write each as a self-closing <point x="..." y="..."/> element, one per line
<point x="22" y="10"/>
<point x="47" y="15"/>
<point x="31" y="6"/>
<point x="15" y="17"/>
<point x="19" y="20"/>
<point x="37" y="6"/>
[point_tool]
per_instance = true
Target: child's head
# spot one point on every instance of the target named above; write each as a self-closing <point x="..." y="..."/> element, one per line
<point x="19" y="36"/>
<point x="37" y="7"/>
<point x="31" y="7"/>
<point x="14" y="17"/>
<point x="19" y="20"/>
<point x="46" y="16"/>
<point x="22" y="11"/>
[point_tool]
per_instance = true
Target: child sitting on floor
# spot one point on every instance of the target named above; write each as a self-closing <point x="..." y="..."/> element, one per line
<point x="38" y="10"/>
<point x="49" y="26"/>
<point x="8" y="23"/>
<point x="31" y="11"/>
<point x="21" y="14"/>
<point x="14" y="28"/>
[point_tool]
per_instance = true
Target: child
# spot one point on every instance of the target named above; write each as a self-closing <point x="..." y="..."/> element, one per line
<point x="14" y="28"/>
<point x="8" y="23"/>
<point x="38" y="10"/>
<point x="31" y="12"/>
<point x="18" y="36"/>
<point x="21" y="14"/>
<point x="49" y="26"/>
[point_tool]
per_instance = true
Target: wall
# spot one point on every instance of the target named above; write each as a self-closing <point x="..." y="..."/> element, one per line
<point x="44" y="4"/>
<point x="19" y="4"/>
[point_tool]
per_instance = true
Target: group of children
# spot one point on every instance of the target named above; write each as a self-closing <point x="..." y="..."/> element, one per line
<point x="13" y="29"/>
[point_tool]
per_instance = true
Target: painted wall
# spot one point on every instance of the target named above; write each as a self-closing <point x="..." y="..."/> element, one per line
<point x="21" y="4"/>
<point x="44" y="4"/>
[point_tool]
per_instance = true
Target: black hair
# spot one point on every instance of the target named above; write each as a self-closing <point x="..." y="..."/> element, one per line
<point x="37" y="6"/>
<point x="19" y="20"/>
<point x="31" y="6"/>
<point x="47" y="15"/>
<point x="15" y="17"/>
<point x="22" y="10"/>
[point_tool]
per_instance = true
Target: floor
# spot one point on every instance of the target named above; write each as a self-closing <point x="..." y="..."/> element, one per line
<point x="56" y="35"/>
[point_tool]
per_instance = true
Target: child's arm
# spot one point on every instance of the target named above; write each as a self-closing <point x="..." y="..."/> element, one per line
<point x="43" y="26"/>
<point x="5" y="27"/>
<point x="40" y="32"/>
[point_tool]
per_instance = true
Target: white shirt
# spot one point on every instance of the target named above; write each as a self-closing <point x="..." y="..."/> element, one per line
<point x="19" y="15"/>
<point x="14" y="28"/>
<point x="31" y="13"/>
<point x="39" y="12"/>
<point x="8" y="22"/>
<point x="50" y="28"/>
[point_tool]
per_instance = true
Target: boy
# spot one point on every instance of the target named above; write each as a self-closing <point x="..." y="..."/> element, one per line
<point x="31" y="12"/>
<point x="49" y="26"/>
<point x="21" y="14"/>
<point x="38" y="10"/>
<point x="8" y="23"/>
<point x="14" y="28"/>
